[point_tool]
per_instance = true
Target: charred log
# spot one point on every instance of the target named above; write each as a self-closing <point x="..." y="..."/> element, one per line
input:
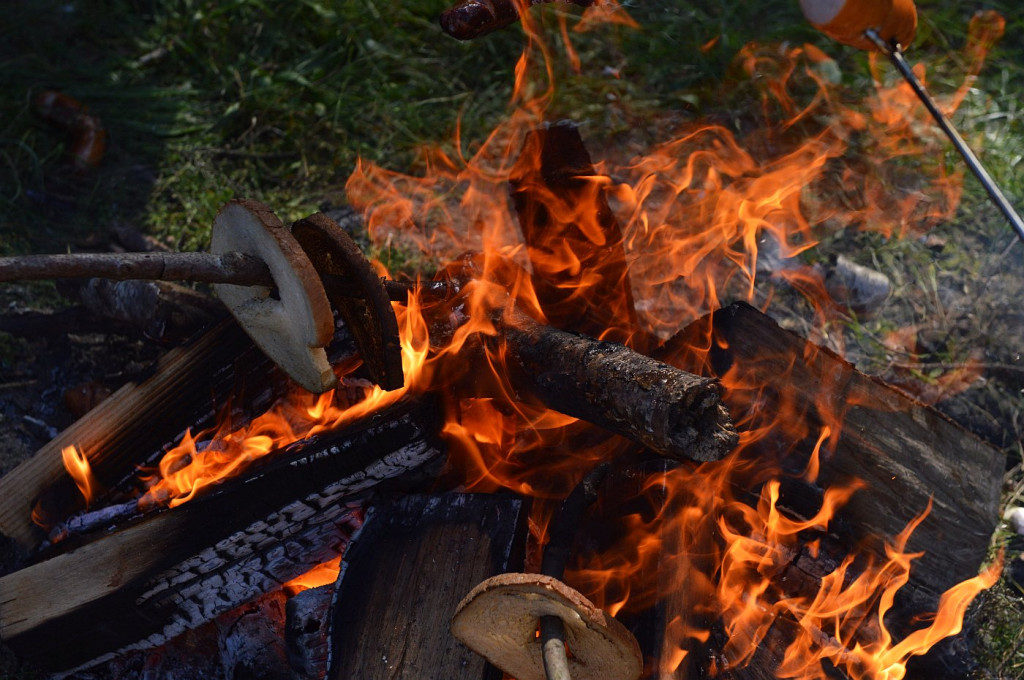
<point x="430" y="551"/>
<point x="173" y="570"/>
<point x="306" y="629"/>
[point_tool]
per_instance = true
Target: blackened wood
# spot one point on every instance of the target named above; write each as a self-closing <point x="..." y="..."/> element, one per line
<point x="470" y="19"/>
<point x="252" y="640"/>
<point x="403" y="576"/>
<point x="573" y="239"/>
<point x="306" y="628"/>
<point x="186" y="388"/>
<point x="673" y="412"/>
<point x="905" y="452"/>
<point x="368" y="313"/>
<point x="173" y="570"/>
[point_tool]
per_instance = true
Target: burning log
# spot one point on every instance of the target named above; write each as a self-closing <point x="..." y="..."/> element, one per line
<point x="579" y="266"/>
<point x="173" y="570"/>
<point x="140" y="418"/>
<point x="429" y="551"/>
<point x="675" y="413"/>
<point x="905" y="453"/>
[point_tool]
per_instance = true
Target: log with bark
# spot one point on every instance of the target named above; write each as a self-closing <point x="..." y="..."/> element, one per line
<point x="673" y="412"/>
<point x="403" y="576"/>
<point x="175" y="569"/>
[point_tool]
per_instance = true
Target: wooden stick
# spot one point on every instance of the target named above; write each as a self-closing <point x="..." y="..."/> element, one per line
<point x="235" y="268"/>
<point x="556" y="556"/>
<point x="675" y="413"/>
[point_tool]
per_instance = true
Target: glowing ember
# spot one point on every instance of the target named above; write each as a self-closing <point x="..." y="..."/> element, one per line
<point x="320" y="575"/>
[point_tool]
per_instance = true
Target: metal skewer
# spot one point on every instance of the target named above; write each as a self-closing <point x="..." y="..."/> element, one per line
<point x="895" y="54"/>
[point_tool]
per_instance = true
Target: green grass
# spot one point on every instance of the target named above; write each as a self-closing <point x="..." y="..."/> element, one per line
<point x="208" y="100"/>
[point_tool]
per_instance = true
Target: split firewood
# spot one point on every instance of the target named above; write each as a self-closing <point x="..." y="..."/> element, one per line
<point x="186" y="388"/>
<point x="426" y="551"/>
<point x="905" y="453"/>
<point x="173" y="570"/>
<point x="475" y="18"/>
<point x="578" y="263"/>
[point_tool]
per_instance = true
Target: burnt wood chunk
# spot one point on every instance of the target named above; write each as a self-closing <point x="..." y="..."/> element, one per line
<point x="903" y="451"/>
<point x="306" y="621"/>
<point x="673" y="412"/>
<point x="573" y="239"/>
<point x="469" y="19"/>
<point x="403" y="576"/>
<point x="176" y="569"/>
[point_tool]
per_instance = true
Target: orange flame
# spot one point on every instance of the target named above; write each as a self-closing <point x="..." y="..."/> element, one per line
<point x="197" y="462"/>
<point x="698" y="214"/>
<point x="77" y="465"/>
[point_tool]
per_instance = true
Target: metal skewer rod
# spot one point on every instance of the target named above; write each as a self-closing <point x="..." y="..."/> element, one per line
<point x="895" y="54"/>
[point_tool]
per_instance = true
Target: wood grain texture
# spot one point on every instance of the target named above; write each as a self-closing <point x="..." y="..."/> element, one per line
<point x="173" y="570"/>
<point x="905" y="452"/>
<point x="138" y="419"/>
<point x="403" y="576"/>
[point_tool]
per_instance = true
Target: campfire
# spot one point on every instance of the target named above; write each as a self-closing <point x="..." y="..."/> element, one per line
<point x="583" y="426"/>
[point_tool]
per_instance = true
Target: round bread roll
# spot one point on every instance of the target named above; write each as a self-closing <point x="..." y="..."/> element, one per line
<point x="847" y="20"/>
<point x="499" y="620"/>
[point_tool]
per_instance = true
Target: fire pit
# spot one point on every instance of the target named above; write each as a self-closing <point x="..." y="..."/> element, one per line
<point x="764" y="509"/>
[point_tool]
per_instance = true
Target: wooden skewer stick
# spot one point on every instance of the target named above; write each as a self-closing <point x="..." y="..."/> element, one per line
<point x="234" y="268"/>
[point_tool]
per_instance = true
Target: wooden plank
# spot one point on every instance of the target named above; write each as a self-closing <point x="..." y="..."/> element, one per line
<point x="905" y="452"/>
<point x="173" y="570"/>
<point x="403" y="576"/>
